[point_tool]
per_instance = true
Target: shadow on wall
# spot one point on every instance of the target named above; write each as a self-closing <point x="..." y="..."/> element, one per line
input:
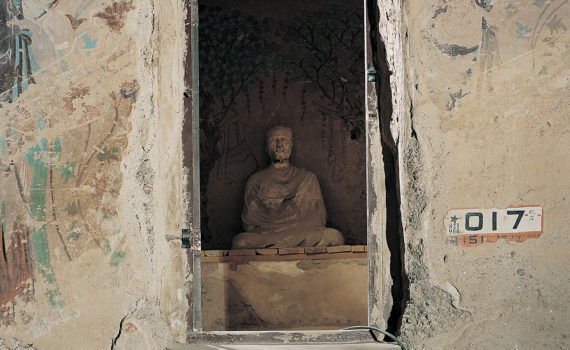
<point x="394" y="229"/>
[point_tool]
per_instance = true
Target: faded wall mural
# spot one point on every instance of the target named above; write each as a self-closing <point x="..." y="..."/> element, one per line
<point x="66" y="95"/>
<point x="16" y="57"/>
<point x="293" y="64"/>
<point x="487" y="93"/>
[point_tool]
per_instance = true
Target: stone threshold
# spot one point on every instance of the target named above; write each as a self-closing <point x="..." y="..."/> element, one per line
<point x="284" y="254"/>
<point x="265" y="340"/>
<point x="364" y="346"/>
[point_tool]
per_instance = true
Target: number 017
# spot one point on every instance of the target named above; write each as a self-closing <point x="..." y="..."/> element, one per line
<point x="469" y="218"/>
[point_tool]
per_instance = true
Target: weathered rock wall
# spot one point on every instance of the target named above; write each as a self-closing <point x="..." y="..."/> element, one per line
<point x="486" y="126"/>
<point x="91" y="185"/>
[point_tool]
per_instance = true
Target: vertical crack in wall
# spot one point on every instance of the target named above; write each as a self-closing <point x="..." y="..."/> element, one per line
<point x="394" y="228"/>
<point x="114" y="342"/>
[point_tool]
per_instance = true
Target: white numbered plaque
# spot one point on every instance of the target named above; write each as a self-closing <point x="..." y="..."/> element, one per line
<point x="471" y="227"/>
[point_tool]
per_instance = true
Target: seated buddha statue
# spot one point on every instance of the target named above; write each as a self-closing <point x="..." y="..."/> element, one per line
<point x="283" y="204"/>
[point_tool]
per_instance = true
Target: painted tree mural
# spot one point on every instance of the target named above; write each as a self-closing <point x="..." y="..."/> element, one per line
<point x="249" y="63"/>
<point x="235" y="51"/>
<point x="325" y="49"/>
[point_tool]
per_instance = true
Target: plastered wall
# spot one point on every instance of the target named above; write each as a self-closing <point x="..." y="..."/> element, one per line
<point x="487" y="127"/>
<point x="91" y="184"/>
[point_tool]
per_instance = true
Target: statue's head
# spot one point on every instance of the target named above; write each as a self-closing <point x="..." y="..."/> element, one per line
<point x="279" y="141"/>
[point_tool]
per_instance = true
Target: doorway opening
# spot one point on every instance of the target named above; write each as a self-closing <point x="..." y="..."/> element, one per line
<point x="294" y="63"/>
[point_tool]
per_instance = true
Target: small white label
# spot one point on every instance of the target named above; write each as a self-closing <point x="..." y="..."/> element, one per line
<point x="477" y="226"/>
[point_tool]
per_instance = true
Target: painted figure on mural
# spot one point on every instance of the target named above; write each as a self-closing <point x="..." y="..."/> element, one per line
<point x="15" y="54"/>
<point x="283" y="204"/>
<point x="16" y="270"/>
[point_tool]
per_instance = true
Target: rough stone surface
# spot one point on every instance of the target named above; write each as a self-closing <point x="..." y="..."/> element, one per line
<point x="486" y="126"/>
<point x="92" y="180"/>
<point x="87" y="173"/>
<point x="285" y="295"/>
<point x="366" y="346"/>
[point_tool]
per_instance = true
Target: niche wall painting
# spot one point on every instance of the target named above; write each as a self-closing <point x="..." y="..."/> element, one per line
<point x="295" y="64"/>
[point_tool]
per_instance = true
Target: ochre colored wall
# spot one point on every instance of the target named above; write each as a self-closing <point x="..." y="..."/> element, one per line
<point x="490" y="130"/>
<point x="487" y="127"/>
<point x="83" y="230"/>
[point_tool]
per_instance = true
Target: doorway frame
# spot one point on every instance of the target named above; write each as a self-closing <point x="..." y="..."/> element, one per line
<point x="379" y="297"/>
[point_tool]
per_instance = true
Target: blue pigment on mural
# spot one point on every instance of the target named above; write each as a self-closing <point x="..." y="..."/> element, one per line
<point x="522" y="31"/>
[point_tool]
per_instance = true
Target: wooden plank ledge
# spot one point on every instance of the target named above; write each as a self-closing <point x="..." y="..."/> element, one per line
<point x="245" y="258"/>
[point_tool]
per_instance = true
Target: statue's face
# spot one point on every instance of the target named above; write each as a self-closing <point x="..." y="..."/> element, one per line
<point x="279" y="145"/>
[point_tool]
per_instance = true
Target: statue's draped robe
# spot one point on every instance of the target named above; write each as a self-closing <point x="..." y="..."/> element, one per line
<point x="283" y="208"/>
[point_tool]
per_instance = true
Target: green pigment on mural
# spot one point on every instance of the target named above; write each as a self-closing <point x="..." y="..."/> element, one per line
<point x="75" y="232"/>
<point x="118" y="257"/>
<point x="52" y="296"/>
<point x="37" y="157"/>
<point x="67" y="171"/>
<point x="57" y="147"/>
<point x="40" y="244"/>
<point x="74" y="236"/>
<point x="40" y="122"/>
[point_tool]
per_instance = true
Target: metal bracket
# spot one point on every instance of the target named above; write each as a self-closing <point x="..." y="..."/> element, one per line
<point x="371" y="74"/>
<point x="196" y="242"/>
<point x="191" y="240"/>
<point x="185" y="238"/>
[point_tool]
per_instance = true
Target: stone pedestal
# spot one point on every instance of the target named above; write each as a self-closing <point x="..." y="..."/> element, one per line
<point x="290" y="291"/>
